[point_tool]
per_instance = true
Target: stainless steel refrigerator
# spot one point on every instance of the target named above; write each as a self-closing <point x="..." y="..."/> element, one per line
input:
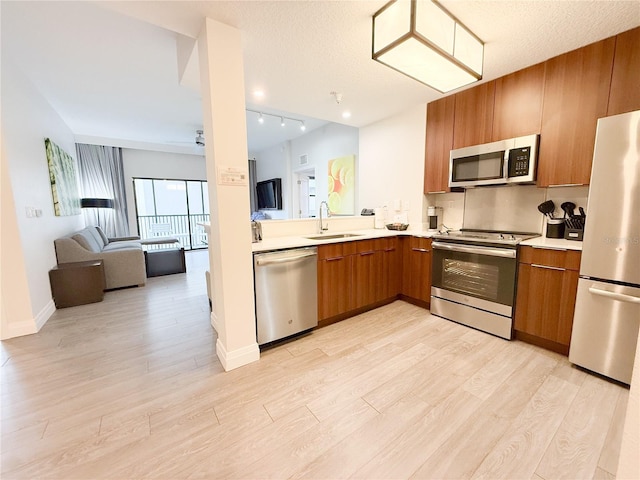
<point x="607" y="314"/>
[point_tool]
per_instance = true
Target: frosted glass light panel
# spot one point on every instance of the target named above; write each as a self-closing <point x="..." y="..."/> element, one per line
<point x="422" y="40"/>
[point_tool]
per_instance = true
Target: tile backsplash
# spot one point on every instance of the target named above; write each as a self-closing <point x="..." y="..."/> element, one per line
<point x="524" y="201"/>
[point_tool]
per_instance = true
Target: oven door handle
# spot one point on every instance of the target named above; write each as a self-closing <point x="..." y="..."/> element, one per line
<point x="493" y="252"/>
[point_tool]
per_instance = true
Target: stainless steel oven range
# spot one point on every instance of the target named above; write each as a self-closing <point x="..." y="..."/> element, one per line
<point x="474" y="278"/>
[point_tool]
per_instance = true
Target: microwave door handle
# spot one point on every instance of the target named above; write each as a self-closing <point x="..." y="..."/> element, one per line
<point x="505" y="165"/>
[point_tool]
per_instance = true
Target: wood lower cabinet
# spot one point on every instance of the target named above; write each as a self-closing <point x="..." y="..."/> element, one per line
<point x="545" y="302"/>
<point x="335" y="279"/>
<point x="357" y="275"/>
<point x="438" y="144"/>
<point x="416" y="274"/>
<point x="576" y="94"/>
<point x="624" y="95"/>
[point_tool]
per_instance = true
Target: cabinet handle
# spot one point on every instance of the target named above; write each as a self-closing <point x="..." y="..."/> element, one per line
<point x="367" y="253"/>
<point x="439" y="191"/>
<point x="423" y="250"/>
<point x="547" y="267"/>
<point x="538" y="247"/>
<point x="389" y="249"/>
<point x="333" y="259"/>
<point x="567" y="185"/>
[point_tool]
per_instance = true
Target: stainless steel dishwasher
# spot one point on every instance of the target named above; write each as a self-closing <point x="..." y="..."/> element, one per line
<point x="286" y="292"/>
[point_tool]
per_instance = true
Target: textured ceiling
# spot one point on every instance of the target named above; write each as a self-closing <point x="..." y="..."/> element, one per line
<point x="111" y="69"/>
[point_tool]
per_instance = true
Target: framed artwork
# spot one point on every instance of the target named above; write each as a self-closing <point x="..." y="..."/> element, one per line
<point x="341" y="186"/>
<point x="64" y="183"/>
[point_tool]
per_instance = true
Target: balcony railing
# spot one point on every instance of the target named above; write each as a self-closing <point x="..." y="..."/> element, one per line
<point x="183" y="227"/>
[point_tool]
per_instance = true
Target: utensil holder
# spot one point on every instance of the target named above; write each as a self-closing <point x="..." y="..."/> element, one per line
<point x="555" y="228"/>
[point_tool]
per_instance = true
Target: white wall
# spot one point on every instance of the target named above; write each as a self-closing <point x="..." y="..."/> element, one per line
<point x="391" y="165"/>
<point x="149" y="164"/>
<point x="27" y="119"/>
<point x="320" y="145"/>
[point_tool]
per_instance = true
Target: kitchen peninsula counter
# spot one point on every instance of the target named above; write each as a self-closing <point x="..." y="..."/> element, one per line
<point x="296" y="241"/>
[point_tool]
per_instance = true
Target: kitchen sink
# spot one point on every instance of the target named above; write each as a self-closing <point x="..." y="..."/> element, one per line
<point x="333" y="236"/>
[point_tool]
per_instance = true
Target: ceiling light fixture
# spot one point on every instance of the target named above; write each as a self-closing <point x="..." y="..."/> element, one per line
<point x="346" y="114"/>
<point x="258" y="93"/>
<point x="424" y="41"/>
<point x="282" y="118"/>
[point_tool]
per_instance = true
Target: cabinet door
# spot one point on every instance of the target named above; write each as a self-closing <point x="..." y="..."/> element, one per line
<point x="439" y="142"/>
<point x="368" y="280"/>
<point x="545" y="303"/>
<point x="416" y="281"/>
<point x="576" y="94"/>
<point x="624" y="95"/>
<point x="517" y="108"/>
<point x="473" y="118"/>
<point x="334" y="286"/>
<point x="392" y="269"/>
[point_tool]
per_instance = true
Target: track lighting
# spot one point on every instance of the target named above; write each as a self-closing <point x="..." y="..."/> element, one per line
<point x="263" y="115"/>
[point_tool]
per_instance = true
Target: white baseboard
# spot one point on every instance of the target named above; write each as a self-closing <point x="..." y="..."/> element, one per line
<point x="29" y="326"/>
<point x="45" y="314"/>
<point x="214" y="322"/>
<point x="237" y="358"/>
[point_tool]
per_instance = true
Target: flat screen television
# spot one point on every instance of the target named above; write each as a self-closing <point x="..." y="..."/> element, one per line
<point x="269" y="194"/>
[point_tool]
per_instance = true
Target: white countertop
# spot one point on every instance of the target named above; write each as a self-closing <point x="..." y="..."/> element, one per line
<point x="553" y="243"/>
<point x="296" y="241"/>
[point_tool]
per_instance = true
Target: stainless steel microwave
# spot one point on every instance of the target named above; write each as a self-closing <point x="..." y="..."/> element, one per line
<point x="497" y="163"/>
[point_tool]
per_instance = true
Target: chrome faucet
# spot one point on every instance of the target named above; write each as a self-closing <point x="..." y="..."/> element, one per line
<point x="321" y="227"/>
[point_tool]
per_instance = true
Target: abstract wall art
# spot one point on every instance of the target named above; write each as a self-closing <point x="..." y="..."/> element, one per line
<point x="64" y="182"/>
<point x="341" y="187"/>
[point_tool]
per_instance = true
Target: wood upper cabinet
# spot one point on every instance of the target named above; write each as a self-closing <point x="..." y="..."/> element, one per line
<point x="545" y="302"/>
<point x="576" y="94"/>
<point x="517" y="109"/>
<point x="416" y="274"/>
<point x="439" y="142"/>
<point x="624" y="95"/>
<point x="473" y="118"/>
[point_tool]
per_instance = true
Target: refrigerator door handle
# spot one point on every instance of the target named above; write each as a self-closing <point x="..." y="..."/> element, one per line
<point x="621" y="297"/>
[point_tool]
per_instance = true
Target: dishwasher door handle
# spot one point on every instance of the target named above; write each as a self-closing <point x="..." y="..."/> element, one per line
<point x="265" y="261"/>
<point x="621" y="297"/>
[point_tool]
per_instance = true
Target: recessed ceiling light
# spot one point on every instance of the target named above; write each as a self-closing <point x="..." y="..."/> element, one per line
<point x="261" y="119"/>
<point x="346" y="114"/>
<point x="258" y="93"/>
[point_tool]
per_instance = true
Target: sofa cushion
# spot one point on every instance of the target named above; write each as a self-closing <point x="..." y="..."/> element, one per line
<point x="105" y="239"/>
<point x="87" y="240"/>
<point x="122" y="245"/>
<point x="93" y="231"/>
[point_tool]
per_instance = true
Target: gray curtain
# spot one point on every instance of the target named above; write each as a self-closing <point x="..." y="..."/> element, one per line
<point x="253" y="181"/>
<point x="102" y="176"/>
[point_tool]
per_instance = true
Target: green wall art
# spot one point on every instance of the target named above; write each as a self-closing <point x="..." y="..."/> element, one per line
<point x="64" y="183"/>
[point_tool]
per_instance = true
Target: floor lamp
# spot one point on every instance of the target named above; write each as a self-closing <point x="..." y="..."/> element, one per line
<point x="96" y="203"/>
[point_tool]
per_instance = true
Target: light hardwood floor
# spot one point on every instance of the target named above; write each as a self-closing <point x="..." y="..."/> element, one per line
<point x="131" y="388"/>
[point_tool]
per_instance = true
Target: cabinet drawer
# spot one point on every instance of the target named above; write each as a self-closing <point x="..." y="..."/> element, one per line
<point x="386" y="244"/>
<point x="420" y="244"/>
<point x="365" y="246"/>
<point x="567" y="259"/>
<point x="336" y="250"/>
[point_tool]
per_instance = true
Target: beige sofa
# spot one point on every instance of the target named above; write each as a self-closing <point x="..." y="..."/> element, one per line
<point x="123" y="257"/>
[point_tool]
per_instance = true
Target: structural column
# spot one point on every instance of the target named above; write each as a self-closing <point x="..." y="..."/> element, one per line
<point x="225" y="132"/>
